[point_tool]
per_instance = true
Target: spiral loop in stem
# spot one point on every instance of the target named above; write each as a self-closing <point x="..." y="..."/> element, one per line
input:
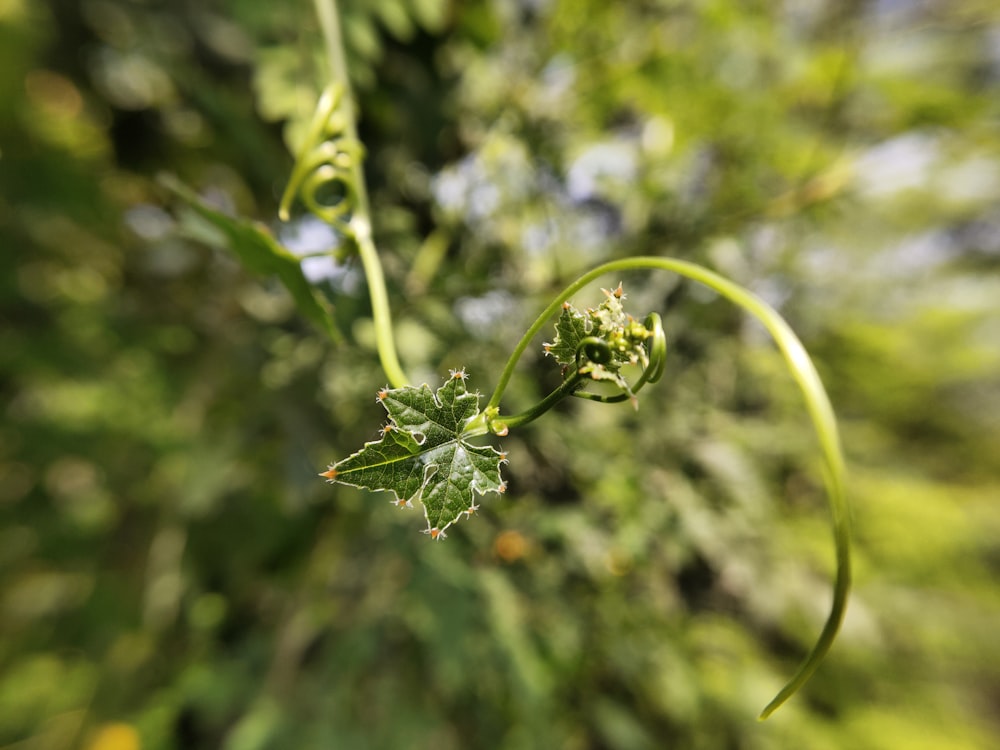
<point x="325" y="174"/>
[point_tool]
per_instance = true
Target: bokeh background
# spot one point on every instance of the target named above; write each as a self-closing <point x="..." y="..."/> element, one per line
<point x="174" y="575"/>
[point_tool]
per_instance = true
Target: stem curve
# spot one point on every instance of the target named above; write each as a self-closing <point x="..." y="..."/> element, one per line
<point x="332" y="153"/>
<point x="817" y="404"/>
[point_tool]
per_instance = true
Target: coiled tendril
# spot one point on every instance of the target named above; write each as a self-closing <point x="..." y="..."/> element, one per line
<point x="325" y="174"/>
<point x="599" y="351"/>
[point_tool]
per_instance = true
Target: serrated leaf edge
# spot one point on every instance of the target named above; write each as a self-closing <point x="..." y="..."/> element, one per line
<point x="436" y="533"/>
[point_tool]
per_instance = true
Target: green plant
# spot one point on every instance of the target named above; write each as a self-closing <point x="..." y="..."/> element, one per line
<point x="426" y="451"/>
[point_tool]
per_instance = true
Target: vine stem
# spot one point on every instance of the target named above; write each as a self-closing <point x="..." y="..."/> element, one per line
<point x="817" y="403"/>
<point x="799" y="363"/>
<point x="359" y="225"/>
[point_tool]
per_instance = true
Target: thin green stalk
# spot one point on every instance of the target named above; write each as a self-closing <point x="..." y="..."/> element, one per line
<point x="817" y="404"/>
<point x="529" y="415"/>
<point x="329" y="21"/>
<point x="381" y="314"/>
<point x="360" y="223"/>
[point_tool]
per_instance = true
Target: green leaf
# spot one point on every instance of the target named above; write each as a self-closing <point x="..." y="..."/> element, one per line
<point x="422" y="454"/>
<point x="253" y="244"/>
<point x="571" y="329"/>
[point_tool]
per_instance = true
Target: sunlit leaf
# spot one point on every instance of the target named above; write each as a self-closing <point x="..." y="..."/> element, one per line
<point x="423" y="456"/>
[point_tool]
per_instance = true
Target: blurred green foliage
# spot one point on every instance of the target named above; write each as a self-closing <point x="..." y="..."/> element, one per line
<point x="174" y="575"/>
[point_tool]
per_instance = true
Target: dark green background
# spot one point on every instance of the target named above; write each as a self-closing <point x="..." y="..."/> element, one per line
<point x="172" y="571"/>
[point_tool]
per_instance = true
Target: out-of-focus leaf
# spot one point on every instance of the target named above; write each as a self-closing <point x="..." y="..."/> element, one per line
<point x="262" y="254"/>
<point x="395" y="18"/>
<point x="431" y="14"/>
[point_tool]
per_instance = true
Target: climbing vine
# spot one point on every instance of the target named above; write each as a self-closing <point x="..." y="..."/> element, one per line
<point x="429" y="451"/>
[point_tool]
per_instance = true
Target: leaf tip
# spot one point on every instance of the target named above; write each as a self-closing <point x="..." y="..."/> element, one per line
<point x="436" y="534"/>
<point x="330" y="474"/>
